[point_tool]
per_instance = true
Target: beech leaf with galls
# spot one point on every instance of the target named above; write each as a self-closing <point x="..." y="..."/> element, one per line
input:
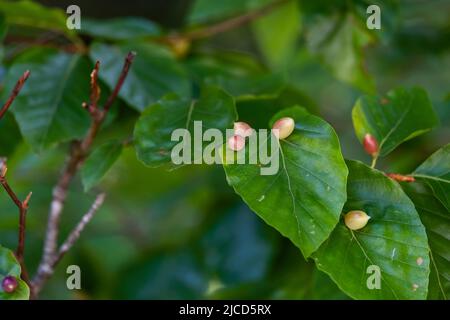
<point x="394" y="240"/>
<point x="400" y="116"/>
<point x="304" y="198"/>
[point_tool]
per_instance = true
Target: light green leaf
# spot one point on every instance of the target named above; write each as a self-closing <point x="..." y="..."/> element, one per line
<point x="277" y="32"/>
<point x="398" y="117"/>
<point x="10" y="267"/>
<point x="99" y="162"/>
<point x="48" y="108"/>
<point x="436" y="219"/>
<point x="152" y="133"/>
<point x="394" y="240"/>
<point x="339" y="41"/>
<point x="304" y="199"/>
<point x="436" y="172"/>
<point x="154" y="72"/>
<point x="124" y="28"/>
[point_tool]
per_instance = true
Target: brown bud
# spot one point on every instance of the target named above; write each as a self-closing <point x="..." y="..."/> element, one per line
<point x="180" y="46"/>
<point x="236" y="143"/>
<point x="356" y="219"/>
<point x="400" y="177"/>
<point x="370" y="144"/>
<point x="283" y="127"/>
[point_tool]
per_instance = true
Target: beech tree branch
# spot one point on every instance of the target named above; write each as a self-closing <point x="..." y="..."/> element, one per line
<point x="23" y="208"/>
<point x="41" y="278"/>
<point x="229" y="24"/>
<point x="78" y="153"/>
<point x="21" y="205"/>
<point x="14" y="93"/>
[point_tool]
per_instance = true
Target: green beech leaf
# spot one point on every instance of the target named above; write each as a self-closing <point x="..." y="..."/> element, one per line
<point x="125" y="28"/>
<point x="31" y="14"/>
<point x="236" y="73"/>
<point x="48" y="108"/>
<point x="10" y="267"/>
<point x="393" y="240"/>
<point x="400" y="116"/>
<point x="277" y="32"/>
<point x="99" y="162"/>
<point x="436" y="172"/>
<point x="436" y="219"/>
<point x="304" y="199"/>
<point x="339" y="42"/>
<point x="152" y="133"/>
<point x="154" y="72"/>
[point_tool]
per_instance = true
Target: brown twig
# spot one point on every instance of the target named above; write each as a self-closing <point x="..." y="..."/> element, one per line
<point x="21" y="205"/>
<point x="120" y="81"/>
<point x="23" y="208"/>
<point x="229" y="24"/>
<point x="14" y="93"/>
<point x="78" y="153"/>
<point x="74" y="235"/>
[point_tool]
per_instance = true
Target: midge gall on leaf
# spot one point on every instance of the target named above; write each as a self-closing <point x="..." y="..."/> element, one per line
<point x="356" y="219"/>
<point x="283" y="127"/>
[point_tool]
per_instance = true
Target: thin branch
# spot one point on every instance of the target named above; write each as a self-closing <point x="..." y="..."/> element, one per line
<point x="126" y="67"/>
<point x="23" y="208"/>
<point x="14" y="93"/>
<point x="76" y="232"/>
<point x="41" y="278"/>
<point x="79" y="152"/>
<point x="231" y="23"/>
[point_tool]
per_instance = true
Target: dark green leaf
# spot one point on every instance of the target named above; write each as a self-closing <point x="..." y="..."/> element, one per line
<point x="154" y="72"/>
<point x="393" y="240"/>
<point x="168" y="275"/>
<point x="125" y="28"/>
<point x="31" y="14"/>
<point x="48" y="108"/>
<point x="10" y="267"/>
<point x="99" y="162"/>
<point x="400" y="116"/>
<point x="264" y="86"/>
<point x="153" y="131"/>
<point x="304" y="199"/>
<point x="205" y="11"/>
<point x="436" y="219"/>
<point x="238" y="74"/>
<point x="339" y="42"/>
<point x="9" y="135"/>
<point x="295" y="278"/>
<point x="436" y="172"/>
<point x="237" y="240"/>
